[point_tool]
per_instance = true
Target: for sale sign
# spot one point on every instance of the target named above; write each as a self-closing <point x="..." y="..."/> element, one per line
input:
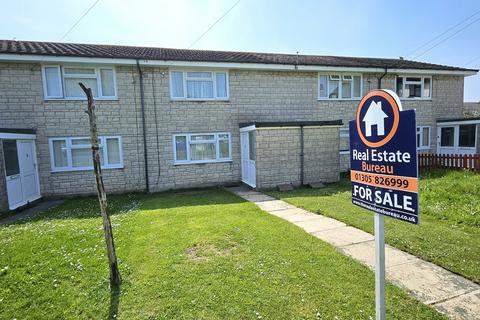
<point x="383" y="157"/>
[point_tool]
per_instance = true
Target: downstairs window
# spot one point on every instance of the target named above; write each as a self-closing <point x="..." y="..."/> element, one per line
<point x="74" y="154"/>
<point x="202" y="148"/>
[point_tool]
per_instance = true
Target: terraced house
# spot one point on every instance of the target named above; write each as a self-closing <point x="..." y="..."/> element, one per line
<point x="171" y="118"/>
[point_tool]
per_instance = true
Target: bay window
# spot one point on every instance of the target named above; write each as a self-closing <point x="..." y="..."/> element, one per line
<point x="339" y="86"/>
<point x="414" y="87"/>
<point x="202" y="148"/>
<point x="71" y="154"/>
<point x="61" y="82"/>
<point x="199" y="85"/>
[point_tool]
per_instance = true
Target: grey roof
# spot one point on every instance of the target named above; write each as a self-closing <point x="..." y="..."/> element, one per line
<point x="153" y="53"/>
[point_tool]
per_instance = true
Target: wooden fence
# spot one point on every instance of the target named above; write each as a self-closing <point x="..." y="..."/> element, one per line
<point x="451" y="161"/>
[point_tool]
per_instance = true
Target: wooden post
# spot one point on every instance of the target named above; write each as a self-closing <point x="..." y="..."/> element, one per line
<point x="115" y="278"/>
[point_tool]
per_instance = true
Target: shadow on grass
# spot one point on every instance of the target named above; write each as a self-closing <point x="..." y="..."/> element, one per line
<point x="118" y="204"/>
<point x="114" y="302"/>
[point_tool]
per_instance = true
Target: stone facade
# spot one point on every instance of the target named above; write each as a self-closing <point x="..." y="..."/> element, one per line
<point x="254" y="96"/>
<point x="278" y="155"/>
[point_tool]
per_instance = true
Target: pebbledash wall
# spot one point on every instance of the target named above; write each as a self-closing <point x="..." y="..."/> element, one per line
<point x="254" y="96"/>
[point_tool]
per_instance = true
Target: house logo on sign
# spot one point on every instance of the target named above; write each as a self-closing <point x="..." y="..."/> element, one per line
<point x="375" y="117"/>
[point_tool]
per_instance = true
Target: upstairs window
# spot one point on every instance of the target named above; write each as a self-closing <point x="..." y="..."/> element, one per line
<point x="61" y="82"/>
<point x="339" y="86"/>
<point x="202" y="148"/>
<point x="414" y="87"/>
<point x="423" y="137"/>
<point x="199" y="85"/>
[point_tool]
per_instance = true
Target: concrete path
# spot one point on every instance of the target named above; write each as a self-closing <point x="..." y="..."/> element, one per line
<point x="449" y="293"/>
<point x="31" y="212"/>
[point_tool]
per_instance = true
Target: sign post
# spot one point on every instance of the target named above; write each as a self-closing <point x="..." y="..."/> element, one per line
<point x="384" y="172"/>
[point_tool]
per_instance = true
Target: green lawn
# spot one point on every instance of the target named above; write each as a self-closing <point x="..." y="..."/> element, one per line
<point x="449" y="230"/>
<point x="197" y="254"/>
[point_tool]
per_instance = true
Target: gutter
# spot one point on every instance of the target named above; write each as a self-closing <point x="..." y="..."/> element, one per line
<point x="8" y="57"/>
<point x="144" y="127"/>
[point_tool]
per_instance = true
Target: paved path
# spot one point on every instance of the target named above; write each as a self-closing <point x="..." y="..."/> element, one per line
<point x="449" y="293"/>
<point x="31" y="212"/>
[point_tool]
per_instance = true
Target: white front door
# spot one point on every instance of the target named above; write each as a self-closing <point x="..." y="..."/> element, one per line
<point x="247" y="141"/>
<point x="21" y="172"/>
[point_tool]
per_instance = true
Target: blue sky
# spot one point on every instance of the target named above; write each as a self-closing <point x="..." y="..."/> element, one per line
<point x="352" y="28"/>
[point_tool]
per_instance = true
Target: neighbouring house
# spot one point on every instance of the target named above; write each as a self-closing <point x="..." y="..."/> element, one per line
<point x="471" y="109"/>
<point x="174" y="118"/>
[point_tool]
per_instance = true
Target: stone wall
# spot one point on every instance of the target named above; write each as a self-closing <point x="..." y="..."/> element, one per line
<point x="254" y="95"/>
<point x="278" y="155"/>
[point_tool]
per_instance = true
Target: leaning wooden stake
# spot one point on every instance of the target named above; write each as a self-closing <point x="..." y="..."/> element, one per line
<point x="115" y="278"/>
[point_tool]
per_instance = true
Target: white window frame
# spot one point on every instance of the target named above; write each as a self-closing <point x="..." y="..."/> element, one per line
<point x="69" y="147"/>
<point x="456" y="138"/>
<point x="217" y="147"/>
<point x="345" y="133"/>
<point x="62" y="77"/>
<point x="213" y="78"/>
<point x="420" y="132"/>
<point x="405" y="82"/>
<point x="341" y="78"/>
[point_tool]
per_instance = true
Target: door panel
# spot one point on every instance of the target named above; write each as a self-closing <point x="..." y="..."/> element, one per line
<point x="248" y="158"/>
<point x="28" y="169"/>
<point x="12" y="171"/>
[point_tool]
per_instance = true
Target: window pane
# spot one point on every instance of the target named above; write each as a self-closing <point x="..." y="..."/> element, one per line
<point x="52" y="79"/>
<point x="418" y="139"/>
<point x="199" y="74"/>
<point x="426" y="88"/>
<point x="322" y="86"/>
<point x="108" y="85"/>
<point x="251" y="145"/>
<point x="426" y="137"/>
<point x="177" y="85"/>
<point x="199" y="89"/>
<point x="11" y="157"/>
<point x="79" y="71"/>
<point x="224" y="148"/>
<point x="73" y="90"/>
<point x="221" y="82"/>
<point x="467" y="135"/>
<point x="413" y="79"/>
<point x="446" y="137"/>
<point x="413" y="90"/>
<point x="59" y="153"/>
<point x="346" y="89"/>
<point x="82" y="157"/>
<point x="113" y="151"/>
<point x="202" y="151"/>
<point x="400" y="86"/>
<point x="333" y="89"/>
<point x="202" y="137"/>
<point x="181" y="148"/>
<point x="357" y="86"/>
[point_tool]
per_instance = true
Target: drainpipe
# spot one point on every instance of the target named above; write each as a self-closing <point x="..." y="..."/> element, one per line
<point x="144" y="127"/>
<point x="380" y="79"/>
<point x="301" y="156"/>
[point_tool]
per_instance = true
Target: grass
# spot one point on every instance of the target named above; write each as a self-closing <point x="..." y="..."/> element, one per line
<point x="198" y="254"/>
<point x="449" y="230"/>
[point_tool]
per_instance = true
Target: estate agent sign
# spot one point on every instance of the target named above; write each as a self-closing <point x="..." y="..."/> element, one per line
<point x="383" y="162"/>
<point x="383" y="157"/>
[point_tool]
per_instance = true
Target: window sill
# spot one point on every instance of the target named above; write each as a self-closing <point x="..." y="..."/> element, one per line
<point x="79" y="99"/>
<point x="201" y="162"/>
<point x="84" y="169"/>
<point x="339" y="99"/>
<point x="199" y="100"/>
<point x="424" y="149"/>
<point x="416" y="99"/>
